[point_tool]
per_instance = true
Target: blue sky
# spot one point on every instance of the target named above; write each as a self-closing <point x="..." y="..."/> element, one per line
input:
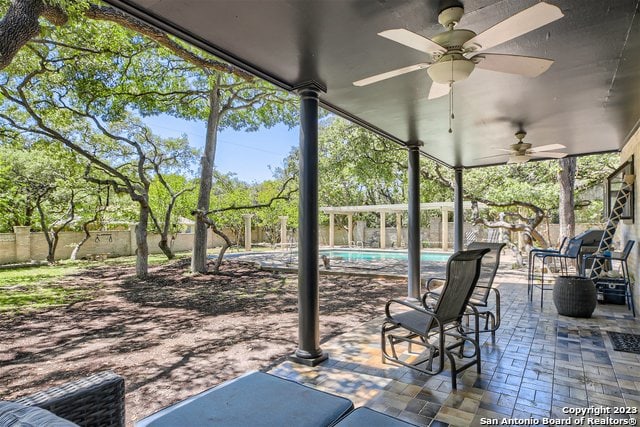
<point x="247" y="154"/>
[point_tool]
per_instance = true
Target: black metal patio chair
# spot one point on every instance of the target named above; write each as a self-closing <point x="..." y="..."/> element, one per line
<point x="571" y="254"/>
<point x="483" y="288"/>
<point x="537" y="253"/>
<point x="429" y="327"/>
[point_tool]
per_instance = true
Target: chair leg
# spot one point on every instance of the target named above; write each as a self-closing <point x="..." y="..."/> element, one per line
<point x="542" y="286"/>
<point x="531" y="272"/>
<point x="628" y="287"/>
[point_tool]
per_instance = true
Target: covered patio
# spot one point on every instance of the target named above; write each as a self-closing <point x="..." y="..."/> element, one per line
<point x="540" y="365"/>
<point x="587" y="101"/>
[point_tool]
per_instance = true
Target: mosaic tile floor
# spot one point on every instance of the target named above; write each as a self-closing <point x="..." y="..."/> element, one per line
<point x="540" y="366"/>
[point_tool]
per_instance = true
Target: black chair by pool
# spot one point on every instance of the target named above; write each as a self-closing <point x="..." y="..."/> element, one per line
<point x="429" y="327"/>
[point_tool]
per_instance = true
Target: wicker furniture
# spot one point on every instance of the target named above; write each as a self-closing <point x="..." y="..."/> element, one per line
<point x="574" y="296"/>
<point x="430" y="327"/>
<point x="97" y="400"/>
<point x="14" y="414"/>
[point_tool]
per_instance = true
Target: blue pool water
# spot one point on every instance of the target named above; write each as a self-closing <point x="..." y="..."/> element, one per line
<point x="382" y="255"/>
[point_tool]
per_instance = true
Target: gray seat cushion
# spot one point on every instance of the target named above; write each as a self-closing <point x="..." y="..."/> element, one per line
<point x="257" y="400"/>
<point x="14" y="414"/>
<point x="365" y="417"/>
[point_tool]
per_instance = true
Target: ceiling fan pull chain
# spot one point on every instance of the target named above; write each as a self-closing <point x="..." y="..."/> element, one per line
<point x="451" y="116"/>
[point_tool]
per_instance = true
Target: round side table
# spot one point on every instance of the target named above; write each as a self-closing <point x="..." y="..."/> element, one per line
<point x="574" y="296"/>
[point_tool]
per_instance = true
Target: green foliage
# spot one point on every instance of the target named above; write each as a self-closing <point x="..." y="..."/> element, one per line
<point x="269" y="217"/>
<point x="36" y="287"/>
<point x="42" y="173"/>
<point x="39" y="287"/>
<point x="159" y="198"/>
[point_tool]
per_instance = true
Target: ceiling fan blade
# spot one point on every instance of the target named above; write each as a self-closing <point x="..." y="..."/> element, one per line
<point x="528" y="66"/>
<point x="549" y="154"/>
<point x="490" y="157"/>
<point x="521" y="23"/>
<point x="437" y="90"/>
<point x="389" y="74"/>
<point x="413" y="40"/>
<point x="549" y="147"/>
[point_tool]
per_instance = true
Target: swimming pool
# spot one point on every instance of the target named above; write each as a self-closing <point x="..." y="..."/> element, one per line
<point x="360" y="255"/>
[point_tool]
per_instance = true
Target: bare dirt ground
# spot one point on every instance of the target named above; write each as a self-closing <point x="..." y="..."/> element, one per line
<point x="174" y="334"/>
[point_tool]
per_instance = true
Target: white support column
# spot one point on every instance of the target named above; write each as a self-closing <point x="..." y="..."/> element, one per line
<point x="445" y="228"/>
<point x="283" y="231"/>
<point x="398" y="229"/>
<point x="247" y="231"/>
<point x="383" y="230"/>
<point x="332" y="220"/>
<point x="350" y="230"/>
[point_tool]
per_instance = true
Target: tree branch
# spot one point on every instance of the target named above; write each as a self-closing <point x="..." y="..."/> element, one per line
<point x="280" y="196"/>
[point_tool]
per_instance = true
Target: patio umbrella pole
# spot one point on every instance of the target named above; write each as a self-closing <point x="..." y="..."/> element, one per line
<point x="309" y="351"/>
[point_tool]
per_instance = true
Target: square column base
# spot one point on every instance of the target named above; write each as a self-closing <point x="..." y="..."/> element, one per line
<point x="309" y="361"/>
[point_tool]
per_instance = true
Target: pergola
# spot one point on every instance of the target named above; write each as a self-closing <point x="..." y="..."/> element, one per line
<point x="382" y="211"/>
<point x="589" y="100"/>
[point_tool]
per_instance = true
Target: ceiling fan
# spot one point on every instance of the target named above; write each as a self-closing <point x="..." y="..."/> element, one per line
<point x="453" y="54"/>
<point x="522" y="152"/>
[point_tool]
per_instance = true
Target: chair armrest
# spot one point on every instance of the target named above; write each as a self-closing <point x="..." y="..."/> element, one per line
<point x="434" y="282"/>
<point x="433" y="295"/>
<point x="406" y="304"/>
<point x="537" y="251"/>
<point x="95" y="400"/>
<point x="594" y="256"/>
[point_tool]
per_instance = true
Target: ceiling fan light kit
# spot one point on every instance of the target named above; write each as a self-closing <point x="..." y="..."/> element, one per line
<point x="452" y="55"/>
<point x="522" y="152"/>
<point x="518" y="159"/>
<point x="448" y="70"/>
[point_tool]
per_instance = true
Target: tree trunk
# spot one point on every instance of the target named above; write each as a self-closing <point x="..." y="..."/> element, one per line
<point x="87" y="235"/>
<point x="45" y="229"/>
<point x="227" y="243"/>
<point x="142" y="247"/>
<point x="53" y="245"/>
<point x="164" y="246"/>
<point x="76" y="248"/>
<point x="20" y="24"/>
<point x="166" y="228"/>
<point x="199" y="254"/>
<point x="567" y="179"/>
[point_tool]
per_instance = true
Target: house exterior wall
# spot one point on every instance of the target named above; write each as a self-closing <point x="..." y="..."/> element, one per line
<point x="630" y="229"/>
